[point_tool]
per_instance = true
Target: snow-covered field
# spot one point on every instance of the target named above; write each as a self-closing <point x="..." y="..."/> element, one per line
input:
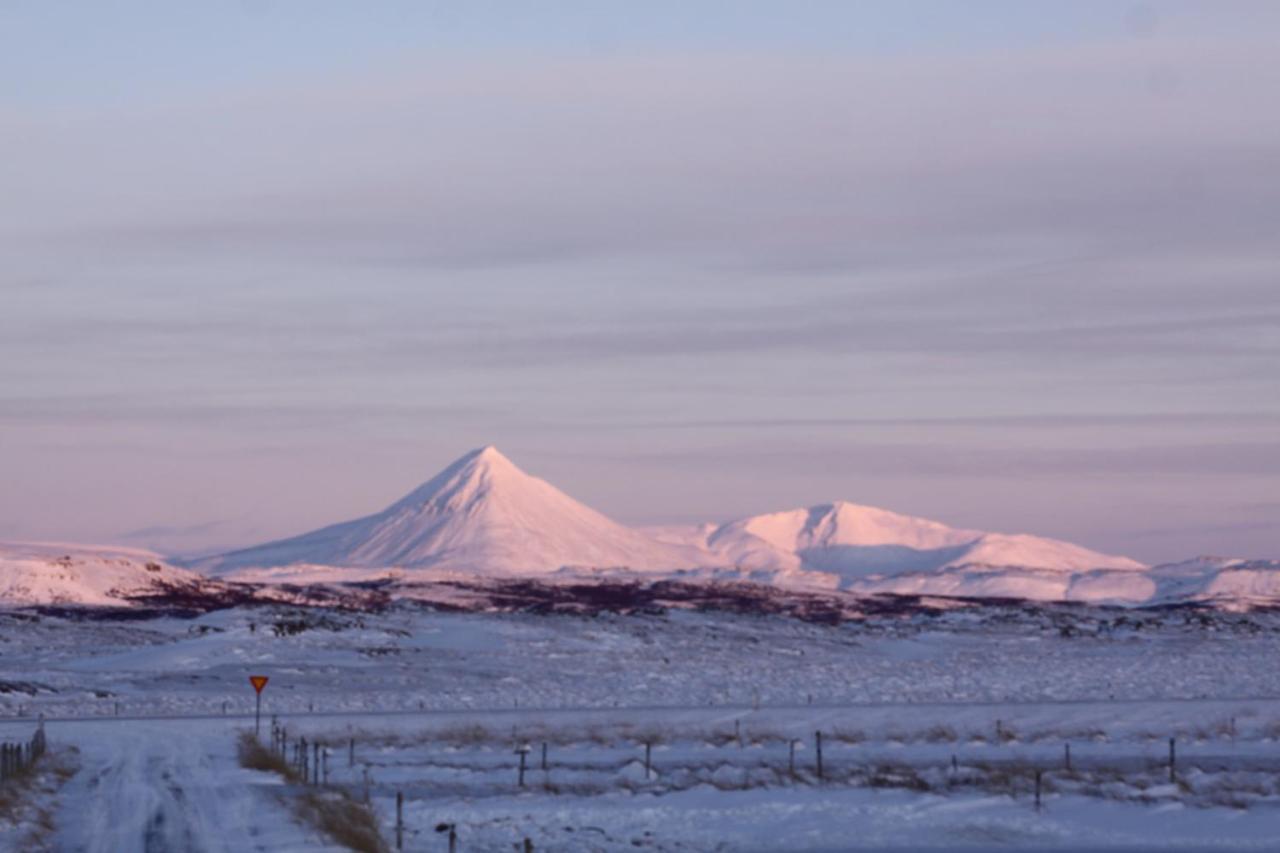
<point x="933" y="727"/>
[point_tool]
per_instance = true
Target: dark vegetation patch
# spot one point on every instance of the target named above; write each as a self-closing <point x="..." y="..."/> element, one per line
<point x="301" y="621"/>
<point x="29" y="688"/>
<point x="193" y="599"/>
<point x="656" y="597"/>
<point x="640" y="596"/>
<point x="333" y="811"/>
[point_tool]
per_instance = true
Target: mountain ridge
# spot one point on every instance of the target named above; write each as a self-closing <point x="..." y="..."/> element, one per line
<point x="483" y="514"/>
<point x="54" y="573"/>
<point x="482" y="517"/>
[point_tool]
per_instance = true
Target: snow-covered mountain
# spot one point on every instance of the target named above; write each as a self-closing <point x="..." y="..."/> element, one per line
<point x="1218" y="579"/>
<point x="55" y="573"/>
<point x="482" y="514"/>
<point x="852" y="542"/>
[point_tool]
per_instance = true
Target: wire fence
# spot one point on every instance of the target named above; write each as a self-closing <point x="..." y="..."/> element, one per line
<point x="17" y="757"/>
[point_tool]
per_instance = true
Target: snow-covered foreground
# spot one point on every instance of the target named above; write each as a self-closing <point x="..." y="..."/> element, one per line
<point x="719" y="779"/>
<point x="168" y="786"/>
<point x="933" y="727"/>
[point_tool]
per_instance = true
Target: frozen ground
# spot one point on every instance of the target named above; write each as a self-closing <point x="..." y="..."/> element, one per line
<point x="407" y="659"/>
<point x="933" y="725"/>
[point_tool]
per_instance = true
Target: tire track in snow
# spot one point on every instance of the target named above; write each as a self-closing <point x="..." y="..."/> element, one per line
<point x="175" y="791"/>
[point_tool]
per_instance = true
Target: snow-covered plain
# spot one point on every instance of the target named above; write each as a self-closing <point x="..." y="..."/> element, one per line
<point x="436" y="701"/>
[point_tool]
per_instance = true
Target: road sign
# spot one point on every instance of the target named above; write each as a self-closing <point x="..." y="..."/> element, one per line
<point x="258" y="682"/>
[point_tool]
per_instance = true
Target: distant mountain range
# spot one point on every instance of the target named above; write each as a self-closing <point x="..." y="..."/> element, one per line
<point x="483" y="516"/>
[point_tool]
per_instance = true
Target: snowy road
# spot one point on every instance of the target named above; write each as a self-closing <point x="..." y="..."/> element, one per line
<point x="169" y="787"/>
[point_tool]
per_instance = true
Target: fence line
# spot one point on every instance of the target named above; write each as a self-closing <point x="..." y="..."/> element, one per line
<point x="18" y="757"/>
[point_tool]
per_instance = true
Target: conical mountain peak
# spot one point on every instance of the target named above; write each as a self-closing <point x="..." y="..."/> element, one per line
<point x="481" y="513"/>
<point x="489" y="455"/>
<point x="479" y="475"/>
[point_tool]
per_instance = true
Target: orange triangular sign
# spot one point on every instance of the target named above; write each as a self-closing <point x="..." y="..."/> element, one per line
<point x="258" y="682"/>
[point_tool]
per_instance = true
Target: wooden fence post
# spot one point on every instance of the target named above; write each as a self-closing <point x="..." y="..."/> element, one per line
<point x="399" y="820"/>
<point x="1173" y="762"/>
<point x="817" y="746"/>
<point x="521" y="751"/>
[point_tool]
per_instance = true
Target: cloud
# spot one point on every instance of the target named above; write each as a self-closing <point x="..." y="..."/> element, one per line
<point x="917" y="461"/>
<point x="170" y="412"/>
<point x="763" y="162"/>
<point x="1049" y="421"/>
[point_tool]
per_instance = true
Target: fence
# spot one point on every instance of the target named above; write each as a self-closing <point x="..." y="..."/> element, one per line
<point x="472" y="762"/>
<point x="16" y="758"/>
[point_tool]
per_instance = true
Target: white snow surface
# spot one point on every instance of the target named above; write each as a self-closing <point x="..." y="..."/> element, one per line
<point x="60" y="573"/>
<point x="931" y="726"/>
<point x="852" y="541"/>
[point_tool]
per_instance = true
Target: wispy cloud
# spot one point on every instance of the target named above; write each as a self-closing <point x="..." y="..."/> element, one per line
<point x="967" y="256"/>
<point x="933" y="459"/>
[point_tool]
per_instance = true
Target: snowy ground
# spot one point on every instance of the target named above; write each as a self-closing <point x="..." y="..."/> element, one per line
<point x="933" y="727"/>
<point x="169" y="786"/>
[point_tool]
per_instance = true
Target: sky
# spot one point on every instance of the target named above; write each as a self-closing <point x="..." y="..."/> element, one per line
<point x="1009" y="264"/>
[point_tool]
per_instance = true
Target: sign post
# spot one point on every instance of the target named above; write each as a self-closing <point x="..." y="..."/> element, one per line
<point x="258" y="682"/>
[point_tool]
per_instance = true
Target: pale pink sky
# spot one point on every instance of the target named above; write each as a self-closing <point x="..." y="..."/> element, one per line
<point x="1011" y="265"/>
